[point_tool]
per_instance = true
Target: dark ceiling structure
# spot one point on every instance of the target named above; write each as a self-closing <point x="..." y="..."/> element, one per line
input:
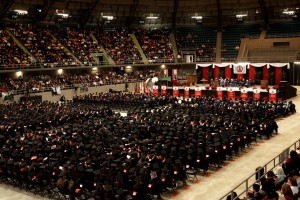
<point x="156" y="12"/>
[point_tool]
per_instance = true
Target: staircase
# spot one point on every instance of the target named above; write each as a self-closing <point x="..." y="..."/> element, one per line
<point x="109" y="59"/>
<point x="20" y="45"/>
<point x="219" y="47"/>
<point x="67" y="50"/>
<point x="174" y="47"/>
<point x="139" y="48"/>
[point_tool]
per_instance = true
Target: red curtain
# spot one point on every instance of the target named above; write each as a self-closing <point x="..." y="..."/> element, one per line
<point x="216" y="72"/>
<point x="205" y="73"/>
<point x="265" y="73"/>
<point x="240" y="76"/>
<point x="278" y="71"/>
<point x="228" y="72"/>
<point x="252" y="72"/>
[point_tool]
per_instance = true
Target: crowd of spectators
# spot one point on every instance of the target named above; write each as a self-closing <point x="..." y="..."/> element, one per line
<point x="281" y="184"/>
<point x="83" y="147"/>
<point x="41" y="83"/>
<point x="205" y="51"/>
<point x="79" y="43"/>
<point x="156" y="44"/>
<point x="119" y="46"/>
<point x="10" y="53"/>
<point x="40" y="43"/>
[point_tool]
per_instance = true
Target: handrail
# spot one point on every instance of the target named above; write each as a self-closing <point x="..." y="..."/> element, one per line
<point x="287" y="35"/>
<point x="73" y="86"/>
<point x="280" y="158"/>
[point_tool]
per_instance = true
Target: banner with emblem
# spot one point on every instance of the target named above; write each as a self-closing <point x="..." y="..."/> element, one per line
<point x="155" y="90"/>
<point x="175" y="91"/>
<point x="219" y="92"/>
<point x="174" y="75"/>
<point x="273" y="95"/>
<point x="256" y="94"/>
<point x="244" y="94"/>
<point x="197" y="92"/>
<point x="166" y="72"/>
<point x="163" y="89"/>
<point x="240" y="68"/>
<point x="186" y="92"/>
<point x="230" y="93"/>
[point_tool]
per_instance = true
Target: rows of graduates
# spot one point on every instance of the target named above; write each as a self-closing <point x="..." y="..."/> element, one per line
<point x="84" y="148"/>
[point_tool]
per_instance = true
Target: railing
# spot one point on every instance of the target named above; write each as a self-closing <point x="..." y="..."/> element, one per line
<point x="287" y="35"/>
<point x="242" y="188"/>
<point x="268" y="59"/>
<point x="81" y="86"/>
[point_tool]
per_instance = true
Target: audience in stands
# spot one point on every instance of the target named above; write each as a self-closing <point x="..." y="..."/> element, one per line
<point x="40" y="43"/>
<point x="119" y="46"/>
<point x="43" y="83"/>
<point x="156" y="44"/>
<point x="11" y="55"/>
<point x="80" y="44"/>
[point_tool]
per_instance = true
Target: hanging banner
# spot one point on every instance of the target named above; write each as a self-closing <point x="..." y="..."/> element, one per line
<point x="256" y="94"/>
<point x="174" y="75"/>
<point x="197" y="92"/>
<point x="244" y="94"/>
<point x="272" y="95"/>
<point x="219" y="93"/>
<point x="175" y="91"/>
<point x="163" y="89"/>
<point x="155" y="90"/>
<point x="186" y="92"/>
<point x="166" y="72"/>
<point x="230" y="93"/>
<point x="240" y="68"/>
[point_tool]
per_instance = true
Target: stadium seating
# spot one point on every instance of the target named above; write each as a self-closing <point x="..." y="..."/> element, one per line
<point x="231" y="38"/>
<point x="284" y="29"/>
<point x="202" y="39"/>
<point x="156" y="44"/>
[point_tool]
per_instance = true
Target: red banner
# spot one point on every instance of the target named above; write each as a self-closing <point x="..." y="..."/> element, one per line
<point x="265" y="73"/>
<point x="230" y="93"/>
<point x="216" y="72"/>
<point x="155" y="90"/>
<point x="197" y="92"/>
<point x="186" y="92"/>
<point x="252" y="72"/>
<point x="163" y="89"/>
<point x="175" y="91"/>
<point x="240" y="76"/>
<point x="256" y="94"/>
<point x="244" y="94"/>
<point x="205" y="74"/>
<point x="174" y="75"/>
<point x="278" y="71"/>
<point x="228" y="72"/>
<point x="272" y="95"/>
<point x="220" y="93"/>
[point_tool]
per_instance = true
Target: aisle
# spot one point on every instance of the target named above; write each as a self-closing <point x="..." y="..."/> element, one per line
<point x="218" y="183"/>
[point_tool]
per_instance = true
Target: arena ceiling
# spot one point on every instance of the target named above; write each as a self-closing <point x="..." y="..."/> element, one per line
<point x="214" y="12"/>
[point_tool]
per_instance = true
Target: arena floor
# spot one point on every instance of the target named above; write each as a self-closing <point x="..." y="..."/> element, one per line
<point x="218" y="183"/>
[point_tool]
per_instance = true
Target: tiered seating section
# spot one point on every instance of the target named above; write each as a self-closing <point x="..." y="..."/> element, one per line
<point x="10" y="53"/>
<point x="231" y="38"/>
<point x="79" y="43"/>
<point x="43" y="46"/>
<point x="200" y="38"/>
<point x="156" y="44"/>
<point x="286" y="29"/>
<point x="119" y="46"/>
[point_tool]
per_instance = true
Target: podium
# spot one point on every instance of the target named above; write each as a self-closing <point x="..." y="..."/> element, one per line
<point x="192" y="79"/>
<point x="264" y="83"/>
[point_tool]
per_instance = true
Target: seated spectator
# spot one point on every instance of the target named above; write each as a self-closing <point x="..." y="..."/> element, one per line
<point x="119" y="46"/>
<point x="156" y="44"/>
